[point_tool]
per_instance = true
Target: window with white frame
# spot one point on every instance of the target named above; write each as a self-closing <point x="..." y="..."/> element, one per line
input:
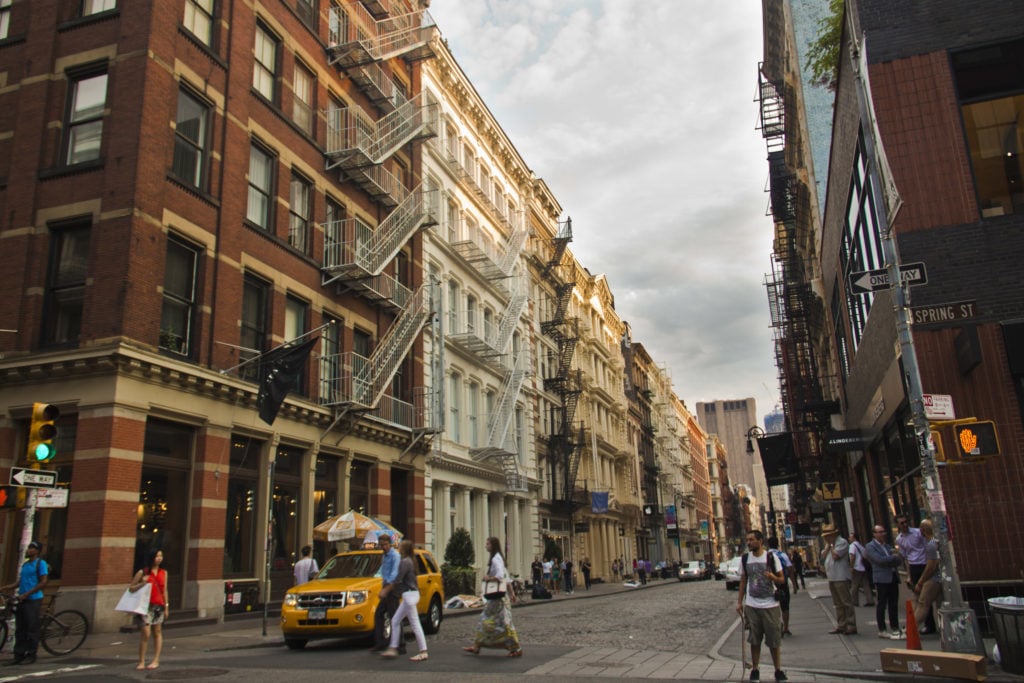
<point x="84" y="122"/>
<point x="302" y="104"/>
<point x="177" y="316"/>
<point x="299" y="213"/>
<point x="861" y="247"/>
<point x="198" y="20"/>
<point x="471" y="313"/>
<point x="455" y="407"/>
<point x="261" y="187"/>
<point x="264" y="70"/>
<point x="472" y="413"/>
<point x="453" y="306"/>
<point x="191" y="140"/>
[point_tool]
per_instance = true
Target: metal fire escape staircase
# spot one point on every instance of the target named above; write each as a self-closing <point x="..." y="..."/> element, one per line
<point x="564" y="447"/>
<point x="361" y="382"/>
<point x="358" y="38"/>
<point x="501" y="441"/>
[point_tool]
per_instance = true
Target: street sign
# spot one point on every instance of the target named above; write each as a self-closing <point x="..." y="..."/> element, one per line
<point x="830" y="490"/>
<point x="52" y="498"/>
<point x="938" y="407"/>
<point x="944" y="314"/>
<point x="867" y="281"/>
<point x="36" y="479"/>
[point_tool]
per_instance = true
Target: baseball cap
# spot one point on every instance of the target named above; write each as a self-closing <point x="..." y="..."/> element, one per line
<point x="36" y="545"/>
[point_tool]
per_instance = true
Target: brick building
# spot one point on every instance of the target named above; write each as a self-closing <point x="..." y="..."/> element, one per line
<point x="185" y="185"/>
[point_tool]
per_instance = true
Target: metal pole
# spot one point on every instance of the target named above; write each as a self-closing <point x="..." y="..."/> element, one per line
<point x="959" y="625"/>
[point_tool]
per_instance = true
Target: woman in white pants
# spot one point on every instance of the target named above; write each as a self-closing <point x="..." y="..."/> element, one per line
<point x="410" y="597"/>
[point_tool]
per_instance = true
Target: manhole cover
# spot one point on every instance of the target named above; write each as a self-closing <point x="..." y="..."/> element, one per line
<point x="185" y="674"/>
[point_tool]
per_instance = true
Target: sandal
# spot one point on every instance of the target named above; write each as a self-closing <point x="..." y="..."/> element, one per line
<point x="421" y="657"/>
<point x="472" y="649"/>
<point x="515" y="653"/>
<point x="389" y="653"/>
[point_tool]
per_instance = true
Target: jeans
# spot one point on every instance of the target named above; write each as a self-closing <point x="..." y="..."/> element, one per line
<point x="26" y="628"/>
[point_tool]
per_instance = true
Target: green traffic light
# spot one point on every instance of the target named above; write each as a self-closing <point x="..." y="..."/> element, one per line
<point x="44" y="452"/>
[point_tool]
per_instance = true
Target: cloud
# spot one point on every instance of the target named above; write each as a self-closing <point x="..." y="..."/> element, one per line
<point x="640" y="116"/>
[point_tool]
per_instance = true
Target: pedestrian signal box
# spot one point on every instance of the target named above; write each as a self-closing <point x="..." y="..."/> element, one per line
<point x="976" y="439"/>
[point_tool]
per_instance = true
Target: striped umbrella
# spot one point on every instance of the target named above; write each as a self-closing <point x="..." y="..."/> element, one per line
<point x="354" y="527"/>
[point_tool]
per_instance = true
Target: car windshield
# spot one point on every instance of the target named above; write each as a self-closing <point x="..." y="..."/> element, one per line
<point x="362" y="565"/>
<point x="693" y="565"/>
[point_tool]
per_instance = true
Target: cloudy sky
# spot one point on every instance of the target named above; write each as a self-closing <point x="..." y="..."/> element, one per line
<point x="640" y="116"/>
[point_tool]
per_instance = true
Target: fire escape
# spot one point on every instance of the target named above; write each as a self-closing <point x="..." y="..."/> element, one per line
<point x="356" y="253"/>
<point x="564" y="447"/>
<point x="796" y="310"/>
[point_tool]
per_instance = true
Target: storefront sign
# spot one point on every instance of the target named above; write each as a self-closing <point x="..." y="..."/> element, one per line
<point x="843" y="441"/>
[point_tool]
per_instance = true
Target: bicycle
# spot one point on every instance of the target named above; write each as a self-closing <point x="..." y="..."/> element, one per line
<point x="60" y="633"/>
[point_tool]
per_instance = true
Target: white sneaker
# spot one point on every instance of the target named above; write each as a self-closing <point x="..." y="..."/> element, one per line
<point x="898" y="635"/>
<point x="884" y="635"/>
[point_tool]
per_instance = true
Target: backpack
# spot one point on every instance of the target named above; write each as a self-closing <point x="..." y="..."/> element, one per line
<point x="540" y="592"/>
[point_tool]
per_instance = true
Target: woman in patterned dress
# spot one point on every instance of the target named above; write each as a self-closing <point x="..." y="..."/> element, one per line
<point x="495" y="628"/>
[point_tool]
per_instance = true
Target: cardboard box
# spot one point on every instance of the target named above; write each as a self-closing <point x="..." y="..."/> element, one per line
<point x="932" y="663"/>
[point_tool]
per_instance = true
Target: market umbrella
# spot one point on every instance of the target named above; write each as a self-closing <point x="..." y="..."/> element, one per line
<point x="354" y="527"/>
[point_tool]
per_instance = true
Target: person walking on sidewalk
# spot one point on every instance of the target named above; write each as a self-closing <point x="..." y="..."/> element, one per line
<point x="836" y="558"/>
<point x="151" y="623"/>
<point x="928" y="588"/>
<point x="32" y="579"/>
<point x="861" y="572"/>
<point x="495" y="628"/>
<point x="388" y="602"/>
<point x="884" y="562"/>
<point x="798" y="569"/>
<point x="567" y="576"/>
<point x="782" y="591"/>
<point x="911" y="543"/>
<point x="407" y="591"/>
<point x="585" y="569"/>
<point x="760" y="573"/>
<point x="306" y="568"/>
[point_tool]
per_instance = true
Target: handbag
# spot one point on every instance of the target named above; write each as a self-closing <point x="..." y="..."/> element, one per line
<point x="137" y="602"/>
<point x="493" y="589"/>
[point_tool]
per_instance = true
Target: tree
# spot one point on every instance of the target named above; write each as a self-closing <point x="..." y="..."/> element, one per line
<point x="823" y="53"/>
<point x="552" y="550"/>
<point x="457" y="572"/>
<point x="459" y="551"/>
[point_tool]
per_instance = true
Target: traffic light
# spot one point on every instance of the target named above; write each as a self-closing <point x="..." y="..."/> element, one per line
<point x="42" y="432"/>
<point x="976" y="439"/>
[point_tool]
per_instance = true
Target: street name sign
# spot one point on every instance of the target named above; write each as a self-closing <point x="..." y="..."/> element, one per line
<point x="939" y="314"/>
<point x="867" y="281"/>
<point x="36" y="479"/>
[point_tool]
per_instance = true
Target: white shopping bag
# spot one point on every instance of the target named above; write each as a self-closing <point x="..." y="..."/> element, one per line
<point x="137" y="602"/>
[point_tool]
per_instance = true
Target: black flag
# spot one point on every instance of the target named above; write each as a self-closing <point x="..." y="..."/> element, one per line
<point x="278" y="371"/>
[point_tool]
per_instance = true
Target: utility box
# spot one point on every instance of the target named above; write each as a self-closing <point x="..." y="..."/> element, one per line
<point x="930" y="663"/>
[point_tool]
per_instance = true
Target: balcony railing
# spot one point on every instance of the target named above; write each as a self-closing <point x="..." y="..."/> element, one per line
<point x="356" y="140"/>
<point x="357" y="38"/>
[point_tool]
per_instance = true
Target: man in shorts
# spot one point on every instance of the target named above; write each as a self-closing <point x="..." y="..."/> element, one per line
<point x="760" y="572"/>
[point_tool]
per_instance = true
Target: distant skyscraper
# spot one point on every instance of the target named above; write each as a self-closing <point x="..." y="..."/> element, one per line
<point x="775" y="422"/>
<point x="730" y="420"/>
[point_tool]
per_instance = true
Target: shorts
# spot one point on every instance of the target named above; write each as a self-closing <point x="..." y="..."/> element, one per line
<point x="154" y="617"/>
<point x="764" y="624"/>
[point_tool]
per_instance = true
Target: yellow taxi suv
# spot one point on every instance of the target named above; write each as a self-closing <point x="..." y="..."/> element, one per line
<point x="343" y="597"/>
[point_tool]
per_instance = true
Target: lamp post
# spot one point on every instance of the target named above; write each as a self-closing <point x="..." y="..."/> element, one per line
<point x="756" y="433"/>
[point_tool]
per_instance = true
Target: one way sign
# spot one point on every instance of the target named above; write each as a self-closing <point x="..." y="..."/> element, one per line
<point x="38" y="479"/>
<point x="867" y="281"/>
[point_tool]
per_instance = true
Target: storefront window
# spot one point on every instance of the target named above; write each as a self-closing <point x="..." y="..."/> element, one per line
<point x="240" y="518"/>
<point x="325" y="502"/>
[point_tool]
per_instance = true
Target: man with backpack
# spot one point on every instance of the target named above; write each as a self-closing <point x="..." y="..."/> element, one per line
<point x="760" y="573"/>
<point x="31" y="581"/>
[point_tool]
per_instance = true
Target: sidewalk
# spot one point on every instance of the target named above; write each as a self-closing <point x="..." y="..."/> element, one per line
<point x="811" y="654"/>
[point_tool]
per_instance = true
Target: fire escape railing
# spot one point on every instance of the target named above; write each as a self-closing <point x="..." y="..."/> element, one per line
<point x="357" y="38"/>
<point x="355" y="140"/>
<point x="501" y="444"/>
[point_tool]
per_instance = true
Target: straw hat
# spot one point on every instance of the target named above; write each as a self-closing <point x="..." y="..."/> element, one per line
<point x="828" y="529"/>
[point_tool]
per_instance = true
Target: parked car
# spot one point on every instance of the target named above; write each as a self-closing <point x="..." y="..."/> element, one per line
<point x="342" y="599"/>
<point x="690" y="571"/>
<point x="720" y="570"/>
<point x="732" y="574"/>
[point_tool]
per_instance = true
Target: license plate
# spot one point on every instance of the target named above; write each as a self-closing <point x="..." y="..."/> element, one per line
<point x="317" y="613"/>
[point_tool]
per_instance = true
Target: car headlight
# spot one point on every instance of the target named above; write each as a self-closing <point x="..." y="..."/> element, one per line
<point x="291" y="600"/>
<point x="356" y="597"/>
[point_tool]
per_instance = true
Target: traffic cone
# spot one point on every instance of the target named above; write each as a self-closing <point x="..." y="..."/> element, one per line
<point x="913" y="635"/>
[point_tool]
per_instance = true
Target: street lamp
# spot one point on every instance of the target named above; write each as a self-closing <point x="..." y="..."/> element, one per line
<point x="754" y="432"/>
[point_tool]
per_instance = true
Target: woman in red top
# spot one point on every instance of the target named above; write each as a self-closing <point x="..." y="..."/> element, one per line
<point x="158" y="607"/>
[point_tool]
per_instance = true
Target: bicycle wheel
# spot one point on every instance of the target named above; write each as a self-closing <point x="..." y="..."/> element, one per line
<point x="64" y="632"/>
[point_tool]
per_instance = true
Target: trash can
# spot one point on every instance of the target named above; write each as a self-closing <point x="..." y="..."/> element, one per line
<point x="1007" y="615"/>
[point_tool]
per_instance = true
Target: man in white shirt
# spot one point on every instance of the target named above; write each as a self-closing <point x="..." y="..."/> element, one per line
<point x="861" y="573"/>
<point x="306" y="568"/>
<point x="760" y="573"/>
<point x="836" y="558"/>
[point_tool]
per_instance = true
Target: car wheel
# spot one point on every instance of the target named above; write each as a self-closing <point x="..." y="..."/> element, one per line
<point x="295" y="643"/>
<point x="386" y="631"/>
<point x="432" y="620"/>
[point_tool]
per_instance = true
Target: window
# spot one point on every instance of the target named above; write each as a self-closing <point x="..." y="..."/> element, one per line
<point x="84" y="123"/>
<point x="264" y="72"/>
<point x="990" y="86"/>
<point x="337" y="25"/>
<point x="330" y="361"/>
<point x="299" y="213"/>
<point x="471" y="314"/>
<point x="862" y="244"/>
<point x="302" y="104"/>
<point x="65" y="291"/>
<point x="453" y="306"/>
<point x="199" y="20"/>
<point x="253" y="339"/>
<point x="97" y="6"/>
<point x="178" y="314"/>
<point x="5" y="18"/>
<point x="306" y="9"/>
<point x="472" y="412"/>
<point x="241" y="520"/>
<point x="454" y="407"/>
<point x="334" y="216"/>
<point x="452" y="222"/>
<point x="261" y="187"/>
<point x="296" y="313"/>
<point x="191" y="139"/>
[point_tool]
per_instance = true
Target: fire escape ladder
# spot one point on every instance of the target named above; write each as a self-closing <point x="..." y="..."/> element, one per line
<point x="356" y="37"/>
<point x="355" y="140"/>
<point x="383" y="364"/>
<point x="518" y="295"/>
<point x="575" y="455"/>
<point x="501" y="444"/>
<point x="355" y="251"/>
<point x="560" y="243"/>
<point x="773" y="111"/>
<point x="513" y="249"/>
<point x="563" y="295"/>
